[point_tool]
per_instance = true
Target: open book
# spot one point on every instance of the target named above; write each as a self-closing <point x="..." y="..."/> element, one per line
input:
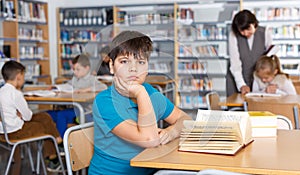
<point x="219" y="132"/>
<point x="261" y="94"/>
<point x="63" y="88"/>
<point x="40" y="93"/>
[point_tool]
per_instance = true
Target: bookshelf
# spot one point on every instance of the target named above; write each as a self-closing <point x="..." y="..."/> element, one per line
<point x="24" y="36"/>
<point x="85" y="29"/>
<point x="157" y="22"/>
<point x="202" y="55"/>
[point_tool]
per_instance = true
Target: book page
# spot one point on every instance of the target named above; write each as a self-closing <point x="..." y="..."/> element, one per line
<point x="242" y="118"/>
<point x="64" y="87"/>
<point x="221" y="137"/>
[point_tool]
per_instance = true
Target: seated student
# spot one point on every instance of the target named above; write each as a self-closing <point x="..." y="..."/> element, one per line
<point x="127" y="113"/>
<point x="20" y="123"/>
<point x="82" y="81"/>
<point x="269" y="78"/>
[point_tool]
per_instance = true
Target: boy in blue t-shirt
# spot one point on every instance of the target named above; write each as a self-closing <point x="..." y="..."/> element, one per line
<point x="126" y="114"/>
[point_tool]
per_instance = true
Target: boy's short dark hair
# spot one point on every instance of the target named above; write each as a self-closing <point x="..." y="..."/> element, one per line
<point x="131" y="42"/>
<point x="10" y="70"/>
<point x="82" y="59"/>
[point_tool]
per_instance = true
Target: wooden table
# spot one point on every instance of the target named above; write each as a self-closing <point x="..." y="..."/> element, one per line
<point x="235" y="100"/>
<point x="75" y="99"/>
<point x="280" y="155"/>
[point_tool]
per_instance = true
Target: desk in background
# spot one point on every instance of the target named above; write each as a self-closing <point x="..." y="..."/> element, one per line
<point x="65" y="99"/>
<point x="277" y="105"/>
<point x="279" y="155"/>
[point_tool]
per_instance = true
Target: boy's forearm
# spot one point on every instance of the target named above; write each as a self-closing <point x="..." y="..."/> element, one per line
<point x="146" y="117"/>
<point x="175" y="129"/>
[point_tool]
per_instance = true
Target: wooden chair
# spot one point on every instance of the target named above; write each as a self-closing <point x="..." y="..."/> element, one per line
<point x="79" y="146"/>
<point x="288" y="110"/>
<point x="11" y="145"/>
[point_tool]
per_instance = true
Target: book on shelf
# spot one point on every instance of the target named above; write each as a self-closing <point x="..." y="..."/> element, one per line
<point x="262" y="94"/>
<point x="40" y="93"/>
<point x="218" y="132"/>
<point x="264" y="124"/>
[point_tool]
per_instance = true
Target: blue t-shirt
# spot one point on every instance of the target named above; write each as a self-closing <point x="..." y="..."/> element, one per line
<point x="112" y="154"/>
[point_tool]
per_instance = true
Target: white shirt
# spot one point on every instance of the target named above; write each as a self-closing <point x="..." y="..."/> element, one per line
<point x="12" y="100"/>
<point x="235" y="62"/>
<point x="285" y="85"/>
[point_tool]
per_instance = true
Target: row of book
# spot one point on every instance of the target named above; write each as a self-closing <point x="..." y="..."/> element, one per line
<point x="71" y="50"/>
<point x="31" y="52"/>
<point x="286" y="31"/>
<point x="84" y="17"/>
<point x="32" y="70"/>
<point x="202" y="32"/>
<point x="79" y="35"/>
<point x="30" y="34"/>
<point x="198" y="51"/>
<point x="288" y="50"/>
<point x="194" y="84"/>
<point x="192" y="66"/>
<point x="159" y="67"/>
<point x="31" y="12"/>
<point x="277" y="13"/>
<point x="190" y="101"/>
<point x="185" y="15"/>
<point x="142" y="19"/>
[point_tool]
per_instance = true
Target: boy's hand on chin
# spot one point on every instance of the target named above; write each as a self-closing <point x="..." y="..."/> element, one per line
<point x="129" y="89"/>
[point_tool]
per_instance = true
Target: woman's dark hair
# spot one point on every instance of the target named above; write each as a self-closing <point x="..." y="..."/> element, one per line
<point x="131" y="42"/>
<point x="242" y="21"/>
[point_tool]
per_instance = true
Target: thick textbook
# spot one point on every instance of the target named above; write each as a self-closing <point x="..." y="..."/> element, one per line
<point x="219" y="132"/>
<point x="264" y="124"/>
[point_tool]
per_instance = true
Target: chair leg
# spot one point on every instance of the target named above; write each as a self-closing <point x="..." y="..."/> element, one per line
<point x="10" y="159"/>
<point x="38" y="157"/>
<point x="58" y="155"/>
<point x="43" y="163"/>
<point x="296" y="117"/>
<point x="30" y="157"/>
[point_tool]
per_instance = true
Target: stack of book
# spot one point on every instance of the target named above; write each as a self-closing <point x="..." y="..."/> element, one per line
<point x="264" y="124"/>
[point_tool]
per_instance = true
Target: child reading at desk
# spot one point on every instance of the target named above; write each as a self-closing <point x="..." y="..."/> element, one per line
<point x="20" y="123"/>
<point x="126" y="114"/>
<point x="269" y="78"/>
<point x="82" y="81"/>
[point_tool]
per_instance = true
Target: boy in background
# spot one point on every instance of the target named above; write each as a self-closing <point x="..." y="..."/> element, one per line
<point x="82" y="81"/>
<point x="20" y="123"/>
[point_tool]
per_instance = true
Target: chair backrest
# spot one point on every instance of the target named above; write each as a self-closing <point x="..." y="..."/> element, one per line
<point x="284" y="123"/>
<point x="212" y="101"/>
<point x="79" y="146"/>
<point x="288" y="109"/>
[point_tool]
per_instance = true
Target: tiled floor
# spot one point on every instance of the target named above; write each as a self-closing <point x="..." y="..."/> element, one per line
<point x="25" y="166"/>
